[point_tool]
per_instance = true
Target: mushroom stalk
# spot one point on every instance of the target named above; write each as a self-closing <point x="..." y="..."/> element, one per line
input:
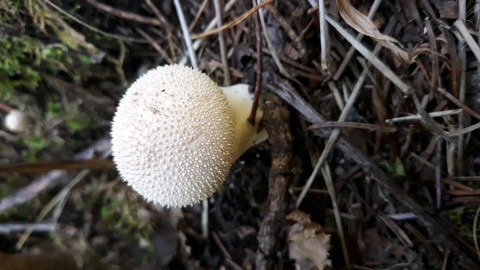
<point x="241" y="101"/>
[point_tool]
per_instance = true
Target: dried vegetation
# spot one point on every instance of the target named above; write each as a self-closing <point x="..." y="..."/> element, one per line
<point x="371" y="164"/>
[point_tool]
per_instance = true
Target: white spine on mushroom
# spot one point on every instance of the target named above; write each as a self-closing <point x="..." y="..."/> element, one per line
<point x="173" y="136"/>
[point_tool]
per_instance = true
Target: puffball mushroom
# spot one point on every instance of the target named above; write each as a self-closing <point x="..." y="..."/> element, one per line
<point x="176" y="133"/>
<point x="17" y="121"/>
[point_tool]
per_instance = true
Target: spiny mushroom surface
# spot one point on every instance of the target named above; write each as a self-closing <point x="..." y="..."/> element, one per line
<point x="175" y="136"/>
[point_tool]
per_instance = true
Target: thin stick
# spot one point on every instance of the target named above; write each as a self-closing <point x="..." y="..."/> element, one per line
<point x="333" y="137"/>
<point x="419" y="117"/>
<point x="259" y="68"/>
<point x="462" y="59"/>
<point x="458" y="102"/>
<point x="124" y="14"/>
<point x="88" y="26"/>
<point x="462" y="29"/>
<point x="475" y="228"/>
<point x="197" y="43"/>
<point x="221" y="43"/>
<point x="337" y="124"/>
<point x="155" y="45"/>
<point x="384" y="69"/>
<point x="324" y="38"/>
<point x="156" y="11"/>
<point x="5" y="108"/>
<point x="233" y="23"/>
<point x="438" y="176"/>
<point x="40" y="184"/>
<point x="198" y="15"/>
<point x="468" y="129"/>
<point x="61" y="196"/>
<point x="351" y="51"/>
<point x="186" y="33"/>
<point x="336" y="132"/>
<point x="285" y="90"/>
<point x="327" y="175"/>
<point x="42" y="227"/>
<point x="271" y="47"/>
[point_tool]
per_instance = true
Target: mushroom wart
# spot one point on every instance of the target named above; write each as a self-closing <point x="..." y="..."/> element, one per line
<point x="176" y="133"/>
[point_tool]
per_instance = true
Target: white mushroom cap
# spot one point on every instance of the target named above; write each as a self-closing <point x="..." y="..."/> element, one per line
<point x="173" y="136"/>
<point x="17" y="121"/>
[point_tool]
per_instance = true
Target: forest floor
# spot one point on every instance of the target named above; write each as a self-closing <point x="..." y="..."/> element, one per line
<point x="372" y="107"/>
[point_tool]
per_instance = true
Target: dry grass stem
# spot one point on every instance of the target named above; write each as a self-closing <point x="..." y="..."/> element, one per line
<point x="186" y="34"/>
<point x="333" y="137"/>
<point x="221" y="43"/>
<point x="233" y="23"/>
<point x="386" y="71"/>
<point x="358" y="125"/>
<point x="198" y="42"/>
<point x="155" y="45"/>
<point x="419" y="117"/>
<point x="124" y="14"/>
<point x="351" y="51"/>
<point x="327" y="176"/>
<point x="324" y="38"/>
<point x="198" y="15"/>
<point x="89" y="26"/>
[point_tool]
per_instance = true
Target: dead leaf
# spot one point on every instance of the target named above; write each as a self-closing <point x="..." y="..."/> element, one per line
<point x="363" y="25"/>
<point x="307" y="241"/>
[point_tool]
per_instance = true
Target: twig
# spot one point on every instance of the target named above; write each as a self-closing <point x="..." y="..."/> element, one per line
<point x="428" y="122"/>
<point x="221" y="42"/>
<point x="40" y="184"/>
<point x="197" y="43"/>
<point x="233" y="23"/>
<point x="438" y="232"/>
<point x="43" y="227"/>
<point x="228" y="257"/>
<point x="338" y="124"/>
<point x="155" y="45"/>
<point x="286" y="25"/>
<point x="327" y="176"/>
<point x="277" y="123"/>
<point x="324" y="38"/>
<point x="336" y="132"/>
<point x="42" y="166"/>
<point x="438" y="176"/>
<point x="198" y="15"/>
<point x="58" y="199"/>
<point x="475" y="228"/>
<point x="386" y="71"/>
<point x="458" y="102"/>
<point x="333" y="137"/>
<point x="462" y="29"/>
<point x="161" y="18"/>
<point x="419" y="117"/>
<point x="468" y="129"/>
<point x="462" y="59"/>
<point x="258" y="70"/>
<point x="90" y="27"/>
<point x="272" y="50"/>
<point x="124" y="14"/>
<point x="186" y="34"/>
<point x="5" y="108"/>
